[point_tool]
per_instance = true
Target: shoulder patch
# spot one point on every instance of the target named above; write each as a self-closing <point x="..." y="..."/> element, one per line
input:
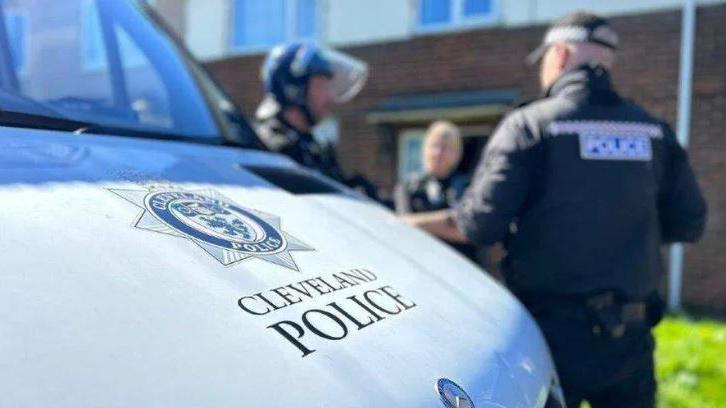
<point x="610" y="140"/>
<point x="595" y="146"/>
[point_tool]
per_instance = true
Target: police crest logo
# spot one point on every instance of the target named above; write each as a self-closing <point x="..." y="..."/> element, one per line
<point x="226" y="231"/>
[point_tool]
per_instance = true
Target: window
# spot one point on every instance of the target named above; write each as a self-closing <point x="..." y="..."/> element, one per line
<point x="261" y="24"/>
<point x="410" y="150"/>
<point x="410" y="145"/>
<point x="148" y="88"/>
<point x="444" y="14"/>
<point x="94" y="50"/>
<point x="16" y="27"/>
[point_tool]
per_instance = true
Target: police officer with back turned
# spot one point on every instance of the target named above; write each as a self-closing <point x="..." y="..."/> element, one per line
<point x="584" y="188"/>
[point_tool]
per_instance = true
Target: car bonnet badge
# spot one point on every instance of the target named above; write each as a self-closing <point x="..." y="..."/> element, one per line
<point x="452" y="396"/>
<point x="228" y="232"/>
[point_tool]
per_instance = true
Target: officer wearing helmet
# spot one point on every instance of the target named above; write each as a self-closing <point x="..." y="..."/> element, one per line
<point x="584" y="188"/>
<point x="302" y="84"/>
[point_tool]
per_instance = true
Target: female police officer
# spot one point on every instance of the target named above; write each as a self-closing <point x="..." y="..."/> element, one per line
<point x="441" y="186"/>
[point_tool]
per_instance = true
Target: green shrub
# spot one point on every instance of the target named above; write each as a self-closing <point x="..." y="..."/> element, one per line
<point x="691" y="363"/>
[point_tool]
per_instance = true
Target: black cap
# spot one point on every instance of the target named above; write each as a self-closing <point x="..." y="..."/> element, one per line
<point x="577" y="27"/>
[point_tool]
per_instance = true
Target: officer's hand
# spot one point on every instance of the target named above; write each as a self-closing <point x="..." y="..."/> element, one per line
<point x="438" y="223"/>
<point x="408" y="219"/>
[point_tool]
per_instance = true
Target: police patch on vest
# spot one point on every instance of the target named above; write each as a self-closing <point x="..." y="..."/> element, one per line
<point x="228" y="232"/>
<point x="615" y="147"/>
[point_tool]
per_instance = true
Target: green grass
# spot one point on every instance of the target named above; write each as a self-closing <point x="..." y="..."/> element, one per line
<point x="690" y="363"/>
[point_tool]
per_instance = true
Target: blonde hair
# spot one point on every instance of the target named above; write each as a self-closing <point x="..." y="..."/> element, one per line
<point x="448" y="132"/>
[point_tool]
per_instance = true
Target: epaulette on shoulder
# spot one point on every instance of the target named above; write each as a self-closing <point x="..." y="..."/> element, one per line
<point x="415" y="182"/>
<point x="275" y="136"/>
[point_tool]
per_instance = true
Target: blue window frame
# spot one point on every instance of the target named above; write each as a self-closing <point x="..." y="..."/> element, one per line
<point x="261" y="24"/>
<point x="446" y="14"/>
<point x="435" y="11"/>
<point x="16" y="25"/>
<point x="477" y="8"/>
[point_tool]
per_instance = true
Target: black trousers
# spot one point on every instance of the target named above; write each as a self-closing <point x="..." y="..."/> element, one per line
<point x="597" y="368"/>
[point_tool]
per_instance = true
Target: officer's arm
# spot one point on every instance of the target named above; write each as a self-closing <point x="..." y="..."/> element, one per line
<point x="500" y="185"/>
<point x="682" y="207"/>
<point x="438" y="223"/>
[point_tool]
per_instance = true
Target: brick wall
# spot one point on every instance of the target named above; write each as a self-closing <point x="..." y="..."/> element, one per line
<point x="705" y="280"/>
<point x="647" y="71"/>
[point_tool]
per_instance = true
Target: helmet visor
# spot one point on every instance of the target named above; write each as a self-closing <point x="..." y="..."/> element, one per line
<point x="349" y="74"/>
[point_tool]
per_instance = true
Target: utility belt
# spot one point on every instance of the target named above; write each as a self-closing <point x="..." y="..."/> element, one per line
<point x="609" y="313"/>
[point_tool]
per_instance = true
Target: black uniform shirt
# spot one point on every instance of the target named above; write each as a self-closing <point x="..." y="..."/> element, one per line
<point x="583" y="187"/>
<point x="301" y="147"/>
<point x="428" y="193"/>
